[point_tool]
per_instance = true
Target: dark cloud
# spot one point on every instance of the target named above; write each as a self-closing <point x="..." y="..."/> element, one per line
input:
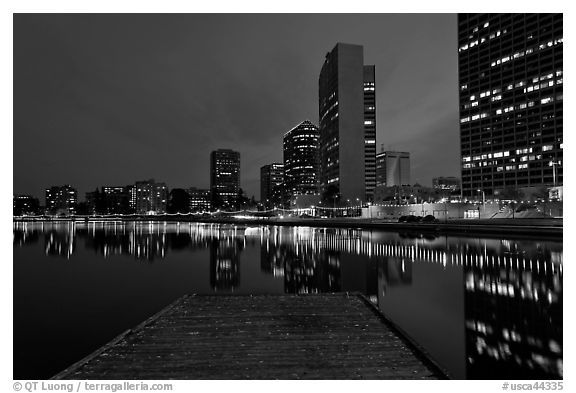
<point x="111" y="99"/>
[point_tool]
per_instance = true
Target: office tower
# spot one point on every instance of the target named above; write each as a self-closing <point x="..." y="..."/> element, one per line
<point x="370" y="130"/>
<point x="446" y="183"/>
<point x="199" y="199"/>
<point x="61" y="200"/>
<point x="347" y="112"/>
<point x="224" y="177"/>
<point x="151" y="197"/>
<point x="271" y="184"/>
<point x="392" y="168"/>
<point x="301" y="160"/>
<point x="510" y="84"/>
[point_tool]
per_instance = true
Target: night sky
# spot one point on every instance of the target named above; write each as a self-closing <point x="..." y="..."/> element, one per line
<point x="112" y="99"/>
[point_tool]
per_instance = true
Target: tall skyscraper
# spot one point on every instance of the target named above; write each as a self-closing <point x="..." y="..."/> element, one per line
<point x="61" y="199"/>
<point x="393" y="168"/>
<point x="301" y="160"/>
<point x="370" y="129"/>
<point x="510" y="83"/>
<point x="271" y="183"/>
<point x="224" y="177"/>
<point x="347" y="112"/>
<point x="151" y="197"/>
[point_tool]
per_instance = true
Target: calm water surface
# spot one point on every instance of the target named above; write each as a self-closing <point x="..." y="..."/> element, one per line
<point x="482" y="308"/>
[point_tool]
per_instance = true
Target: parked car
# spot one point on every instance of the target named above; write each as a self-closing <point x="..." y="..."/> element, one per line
<point x="429" y="218"/>
<point x="414" y="219"/>
<point x="403" y="218"/>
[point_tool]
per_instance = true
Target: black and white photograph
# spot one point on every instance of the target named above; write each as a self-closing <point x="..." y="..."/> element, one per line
<point x="270" y="195"/>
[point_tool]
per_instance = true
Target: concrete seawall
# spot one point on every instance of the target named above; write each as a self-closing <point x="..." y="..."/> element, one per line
<point x="527" y="227"/>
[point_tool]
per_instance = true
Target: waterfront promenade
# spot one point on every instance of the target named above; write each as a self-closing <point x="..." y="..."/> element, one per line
<point x="330" y="336"/>
<point x="542" y="227"/>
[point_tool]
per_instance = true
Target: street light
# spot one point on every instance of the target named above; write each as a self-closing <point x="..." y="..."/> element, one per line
<point x="483" y="201"/>
<point x="553" y="165"/>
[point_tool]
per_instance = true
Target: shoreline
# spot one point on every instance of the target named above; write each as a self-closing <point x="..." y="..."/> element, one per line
<point x="530" y="227"/>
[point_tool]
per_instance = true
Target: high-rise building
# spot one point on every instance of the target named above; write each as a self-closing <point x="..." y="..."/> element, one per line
<point x="392" y="168"/>
<point x="446" y="183"/>
<point x="224" y="177"/>
<point x="199" y="199"/>
<point x="347" y="111"/>
<point x="61" y="200"/>
<point x="301" y="160"/>
<point x="151" y="197"/>
<point x="271" y="183"/>
<point x="510" y="83"/>
<point x="370" y="129"/>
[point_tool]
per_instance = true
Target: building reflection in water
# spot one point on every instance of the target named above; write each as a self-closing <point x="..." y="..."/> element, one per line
<point x="225" y="264"/>
<point x="289" y="252"/>
<point x="513" y="308"/>
<point x="513" y="288"/>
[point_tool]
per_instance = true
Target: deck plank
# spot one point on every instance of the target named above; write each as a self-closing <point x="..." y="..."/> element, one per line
<point x="332" y="336"/>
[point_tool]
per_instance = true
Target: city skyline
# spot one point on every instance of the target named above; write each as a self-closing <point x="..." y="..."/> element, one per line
<point x="111" y="110"/>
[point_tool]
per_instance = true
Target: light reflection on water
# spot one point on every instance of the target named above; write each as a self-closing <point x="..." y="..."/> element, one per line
<point x="482" y="308"/>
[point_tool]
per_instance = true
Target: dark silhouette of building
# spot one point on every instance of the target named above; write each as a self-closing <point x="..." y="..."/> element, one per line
<point x="301" y="160"/>
<point x="224" y="177"/>
<point x="271" y="184"/>
<point x="25" y="205"/>
<point x="178" y="201"/>
<point x="61" y="199"/>
<point x="117" y="199"/>
<point x="510" y="83"/>
<point x="347" y="111"/>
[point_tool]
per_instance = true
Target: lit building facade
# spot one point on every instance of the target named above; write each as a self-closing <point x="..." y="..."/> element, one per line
<point x="151" y="197"/>
<point x="199" y="199"/>
<point x="61" y="200"/>
<point x="224" y="177"/>
<point x="301" y="160"/>
<point x="510" y="83"/>
<point x="131" y="191"/>
<point x="347" y="112"/>
<point x="271" y="183"/>
<point x="393" y="168"/>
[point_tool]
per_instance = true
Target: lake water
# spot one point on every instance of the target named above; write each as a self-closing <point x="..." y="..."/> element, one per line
<point x="483" y="308"/>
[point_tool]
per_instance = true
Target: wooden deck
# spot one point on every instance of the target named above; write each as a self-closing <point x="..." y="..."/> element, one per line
<point x="336" y="336"/>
